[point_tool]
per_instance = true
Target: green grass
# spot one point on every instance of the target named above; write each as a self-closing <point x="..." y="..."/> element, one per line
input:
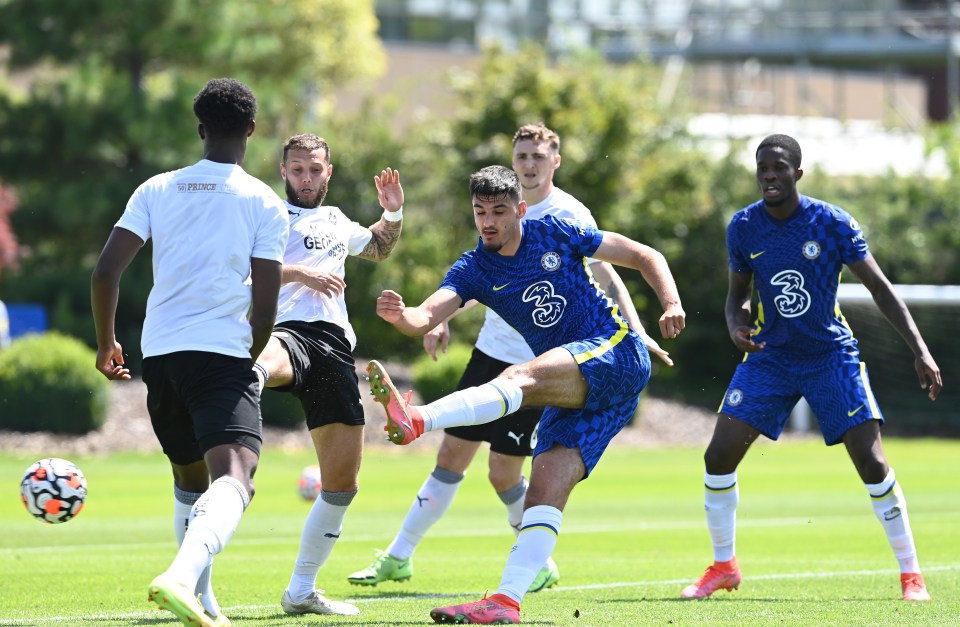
<point x="633" y="535"/>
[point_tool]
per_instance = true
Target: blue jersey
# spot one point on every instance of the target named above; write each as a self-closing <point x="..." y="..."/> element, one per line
<point x="545" y="291"/>
<point x="796" y="265"/>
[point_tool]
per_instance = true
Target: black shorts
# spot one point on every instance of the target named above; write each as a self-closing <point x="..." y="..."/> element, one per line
<point x="198" y="400"/>
<point x="324" y="372"/>
<point x="515" y="434"/>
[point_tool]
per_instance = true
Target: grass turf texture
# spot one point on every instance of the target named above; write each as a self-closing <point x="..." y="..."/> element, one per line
<point x="633" y="535"/>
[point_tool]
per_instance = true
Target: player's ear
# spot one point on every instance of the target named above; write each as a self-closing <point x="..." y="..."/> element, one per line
<point x="522" y="208"/>
<point x="329" y="170"/>
<point x="283" y="170"/>
<point x="799" y="174"/>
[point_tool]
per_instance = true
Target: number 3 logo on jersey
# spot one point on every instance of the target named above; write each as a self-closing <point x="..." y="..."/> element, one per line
<point x="793" y="300"/>
<point x="549" y="305"/>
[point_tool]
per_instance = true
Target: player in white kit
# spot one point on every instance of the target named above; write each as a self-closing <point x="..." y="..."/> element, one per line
<point x="310" y="353"/>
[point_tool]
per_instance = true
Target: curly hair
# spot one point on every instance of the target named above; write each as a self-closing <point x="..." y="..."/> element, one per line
<point x="226" y="107"/>
<point x="785" y="142"/>
<point x="308" y="142"/>
<point x="537" y="133"/>
<point x="495" y="181"/>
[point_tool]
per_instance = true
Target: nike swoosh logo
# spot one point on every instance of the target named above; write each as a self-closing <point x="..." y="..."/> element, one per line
<point x="850" y="413"/>
<point x="497" y="288"/>
<point x="755" y="255"/>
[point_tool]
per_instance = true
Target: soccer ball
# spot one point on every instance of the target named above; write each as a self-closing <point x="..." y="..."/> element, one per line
<point x="53" y="490"/>
<point x="309" y="484"/>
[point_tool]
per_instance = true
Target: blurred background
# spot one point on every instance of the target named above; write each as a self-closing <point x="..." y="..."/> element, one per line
<point x="659" y="104"/>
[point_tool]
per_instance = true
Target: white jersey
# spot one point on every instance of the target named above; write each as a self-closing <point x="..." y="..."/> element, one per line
<point x="206" y="220"/>
<point x="320" y="238"/>
<point x="498" y="339"/>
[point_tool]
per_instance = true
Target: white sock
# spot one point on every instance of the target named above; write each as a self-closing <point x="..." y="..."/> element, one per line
<point x="320" y="532"/>
<point x="473" y="406"/>
<point x="720" y="498"/>
<point x="182" y="506"/>
<point x="262" y="375"/>
<point x="891" y="510"/>
<point x="432" y="502"/>
<point x="513" y="499"/>
<point x="537" y="539"/>
<point x="214" y="518"/>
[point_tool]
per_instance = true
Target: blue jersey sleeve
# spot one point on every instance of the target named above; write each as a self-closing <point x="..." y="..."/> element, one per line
<point x="582" y="238"/>
<point x="737" y="260"/>
<point x="853" y="244"/>
<point x="462" y="278"/>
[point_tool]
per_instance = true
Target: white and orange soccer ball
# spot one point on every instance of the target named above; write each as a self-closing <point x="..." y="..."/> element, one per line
<point x="309" y="484"/>
<point x="53" y="490"/>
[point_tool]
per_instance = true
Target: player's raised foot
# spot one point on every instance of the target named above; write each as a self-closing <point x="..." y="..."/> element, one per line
<point x="548" y="577"/>
<point x="177" y="599"/>
<point x="384" y="568"/>
<point x="718" y="576"/>
<point x="913" y="587"/>
<point x="316" y="603"/>
<point x="404" y="424"/>
<point x="494" y="610"/>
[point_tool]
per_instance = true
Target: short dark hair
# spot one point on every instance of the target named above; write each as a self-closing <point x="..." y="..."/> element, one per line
<point x="495" y="181"/>
<point x="787" y="143"/>
<point x="226" y="107"/>
<point x="538" y="133"/>
<point x="308" y="142"/>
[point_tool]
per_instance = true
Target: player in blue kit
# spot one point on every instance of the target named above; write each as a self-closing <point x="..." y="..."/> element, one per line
<point x="791" y="248"/>
<point x="589" y="370"/>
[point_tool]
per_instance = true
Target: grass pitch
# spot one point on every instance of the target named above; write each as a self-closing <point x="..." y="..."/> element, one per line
<point x="633" y="535"/>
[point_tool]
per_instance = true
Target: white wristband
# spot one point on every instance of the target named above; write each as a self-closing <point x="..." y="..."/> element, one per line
<point x="393" y="216"/>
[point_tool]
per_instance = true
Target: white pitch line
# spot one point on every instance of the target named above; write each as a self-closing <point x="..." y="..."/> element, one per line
<point x="287" y="539"/>
<point x="416" y="597"/>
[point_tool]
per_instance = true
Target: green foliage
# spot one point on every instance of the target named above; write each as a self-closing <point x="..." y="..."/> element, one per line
<point x="109" y="105"/>
<point x="435" y="379"/>
<point x="280" y="409"/>
<point x="48" y="383"/>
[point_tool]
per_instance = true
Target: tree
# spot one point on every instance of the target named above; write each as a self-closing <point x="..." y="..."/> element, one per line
<point x="109" y="102"/>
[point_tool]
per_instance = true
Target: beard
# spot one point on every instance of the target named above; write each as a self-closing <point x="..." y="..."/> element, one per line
<point x="492" y="247"/>
<point x="294" y="198"/>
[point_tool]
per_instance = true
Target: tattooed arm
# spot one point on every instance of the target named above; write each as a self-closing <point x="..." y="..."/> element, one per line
<point x="386" y="232"/>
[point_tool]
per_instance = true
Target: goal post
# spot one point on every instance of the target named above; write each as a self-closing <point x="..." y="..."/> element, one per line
<point x="908" y="411"/>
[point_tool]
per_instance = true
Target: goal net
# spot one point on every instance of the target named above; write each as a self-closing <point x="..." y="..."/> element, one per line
<point x="936" y="311"/>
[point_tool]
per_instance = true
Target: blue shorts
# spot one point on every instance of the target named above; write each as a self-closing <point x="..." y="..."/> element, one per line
<point x="616" y="376"/>
<point x="767" y="384"/>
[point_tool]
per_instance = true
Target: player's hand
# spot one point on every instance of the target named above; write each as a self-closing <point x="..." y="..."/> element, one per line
<point x="390" y="306"/>
<point x="929" y="374"/>
<point x="389" y="190"/>
<point x="655" y="349"/>
<point x="742" y="340"/>
<point x="110" y="362"/>
<point x="672" y="321"/>
<point x="326" y="283"/>
<point x="438" y="335"/>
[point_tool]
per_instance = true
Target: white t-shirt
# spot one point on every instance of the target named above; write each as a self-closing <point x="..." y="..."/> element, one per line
<point x="320" y="238"/>
<point x="206" y="220"/>
<point x="497" y="338"/>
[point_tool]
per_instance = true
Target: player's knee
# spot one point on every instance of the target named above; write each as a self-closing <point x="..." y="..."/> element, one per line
<point x="718" y="462"/>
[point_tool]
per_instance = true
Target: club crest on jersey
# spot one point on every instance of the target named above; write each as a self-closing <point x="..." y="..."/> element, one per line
<point x="332" y="217"/>
<point x="735" y="397"/>
<point x="550" y="261"/>
<point x="811" y="250"/>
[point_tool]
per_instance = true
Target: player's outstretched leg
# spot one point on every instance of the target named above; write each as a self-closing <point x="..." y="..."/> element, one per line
<point x="177" y="599"/>
<point x="385" y="567"/>
<point x="404" y="424"/>
<point x="718" y="576"/>
<point x="493" y="610"/>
